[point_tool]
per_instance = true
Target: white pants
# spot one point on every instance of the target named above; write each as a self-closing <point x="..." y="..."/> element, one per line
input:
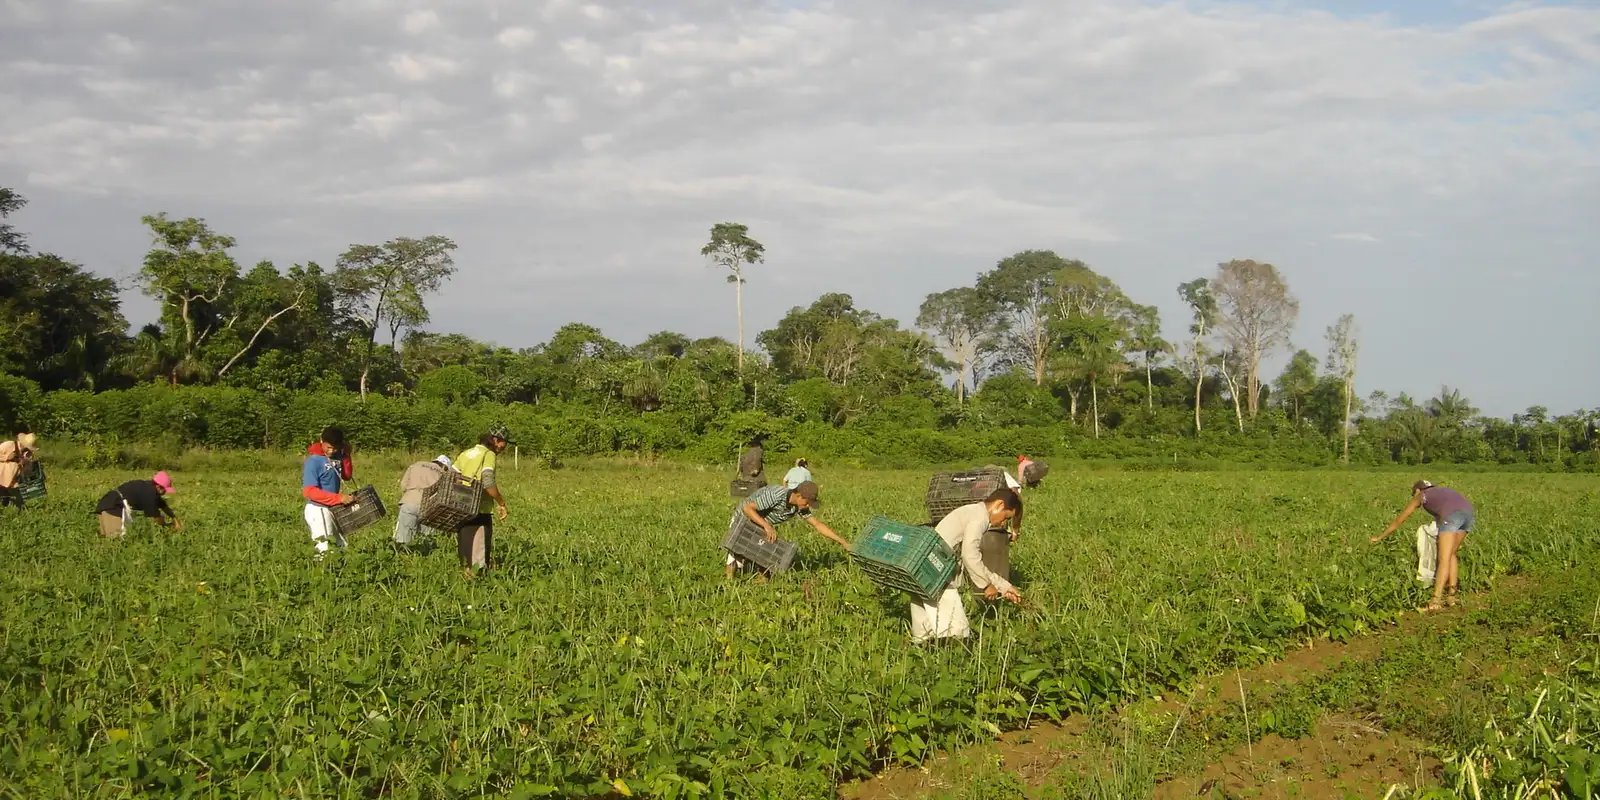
<point x="945" y="618"/>
<point x="1427" y="552"/>
<point x="320" y="520"/>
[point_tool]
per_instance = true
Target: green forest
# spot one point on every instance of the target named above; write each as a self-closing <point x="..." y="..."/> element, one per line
<point x="1040" y="354"/>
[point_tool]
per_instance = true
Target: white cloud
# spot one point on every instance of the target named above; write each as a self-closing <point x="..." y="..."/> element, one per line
<point x="516" y="37"/>
<point x="889" y="151"/>
<point x="420" y="21"/>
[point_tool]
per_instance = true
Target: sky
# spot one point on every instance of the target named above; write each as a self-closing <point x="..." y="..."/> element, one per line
<point x="1431" y="167"/>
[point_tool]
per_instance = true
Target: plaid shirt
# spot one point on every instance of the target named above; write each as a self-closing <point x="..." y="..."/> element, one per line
<point x="772" y="503"/>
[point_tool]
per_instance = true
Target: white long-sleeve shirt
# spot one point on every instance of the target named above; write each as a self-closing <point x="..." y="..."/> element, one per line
<point x="963" y="531"/>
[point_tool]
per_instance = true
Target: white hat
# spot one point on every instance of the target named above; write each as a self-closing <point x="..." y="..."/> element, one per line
<point x="445" y="460"/>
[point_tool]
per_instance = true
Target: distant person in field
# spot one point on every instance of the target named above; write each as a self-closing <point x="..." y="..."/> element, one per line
<point x="475" y="537"/>
<point x="1455" y="517"/>
<point x="115" y="509"/>
<point x="320" y="480"/>
<point x="798" y="474"/>
<point x="963" y="530"/>
<point x="335" y="447"/>
<point x="417" y="478"/>
<point x="16" y="467"/>
<point x="752" y="465"/>
<point x="774" y="505"/>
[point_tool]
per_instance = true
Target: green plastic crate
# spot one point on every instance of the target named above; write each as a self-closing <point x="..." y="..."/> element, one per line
<point x="911" y="558"/>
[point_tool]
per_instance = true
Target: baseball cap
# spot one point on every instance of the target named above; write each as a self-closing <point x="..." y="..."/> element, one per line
<point x="1420" y="485"/>
<point x="444" y="460"/>
<point x="163" y="480"/>
<point x="500" y="431"/>
<point x="808" y="490"/>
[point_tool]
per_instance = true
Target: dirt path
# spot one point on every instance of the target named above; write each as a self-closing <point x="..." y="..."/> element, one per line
<point x="1340" y="754"/>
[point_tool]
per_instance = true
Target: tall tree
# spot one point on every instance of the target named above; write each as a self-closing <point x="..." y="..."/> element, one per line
<point x="385" y="285"/>
<point x="1144" y="338"/>
<point x="1232" y="365"/>
<point x="1022" y="288"/>
<point x="1091" y="352"/>
<point x="60" y="326"/>
<point x="1342" y="349"/>
<point x="732" y="249"/>
<point x="189" y="271"/>
<point x="1203" y="310"/>
<point x="1298" y="381"/>
<point x="11" y="241"/>
<point x="1257" y="315"/>
<point x="963" y="324"/>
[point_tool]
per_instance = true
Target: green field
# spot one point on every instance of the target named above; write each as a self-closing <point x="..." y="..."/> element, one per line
<point x="608" y="655"/>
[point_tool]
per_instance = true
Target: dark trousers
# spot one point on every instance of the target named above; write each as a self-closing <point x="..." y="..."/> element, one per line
<point x="475" y="541"/>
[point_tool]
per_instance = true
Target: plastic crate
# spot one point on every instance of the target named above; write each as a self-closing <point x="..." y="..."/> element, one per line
<point x="908" y="557"/>
<point x="366" y="510"/>
<point x="748" y="541"/>
<point x="33" y="488"/>
<point x="740" y="488"/>
<point x="948" y="491"/>
<point x="451" y="501"/>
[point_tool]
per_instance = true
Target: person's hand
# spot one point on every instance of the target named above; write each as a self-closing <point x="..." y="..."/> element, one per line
<point x="1013" y="595"/>
<point x="990" y="593"/>
<point x="346" y="499"/>
<point x="772" y="533"/>
<point x="502" y="512"/>
<point x="177" y="524"/>
<point x="1376" y="539"/>
<point x="1014" y="535"/>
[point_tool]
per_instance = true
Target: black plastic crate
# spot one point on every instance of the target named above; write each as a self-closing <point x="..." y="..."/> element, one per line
<point x="366" y="509"/>
<point x="748" y="541"/>
<point x="948" y="491"/>
<point x="451" y="501"/>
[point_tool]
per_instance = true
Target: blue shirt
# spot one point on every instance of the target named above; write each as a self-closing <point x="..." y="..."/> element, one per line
<point x="320" y="473"/>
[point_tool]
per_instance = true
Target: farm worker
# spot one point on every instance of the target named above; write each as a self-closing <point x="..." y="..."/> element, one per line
<point x="752" y="465"/>
<point x="334" y="446"/>
<point x="320" y="479"/>
<point x="774" y="505"/>
<point x="15" y="460"/>
<point x="798" y="474"/>
<point x="417" y="478"/>
<point x="963" y="531"/>
<point x="115" y="509"/>
<point x="475" y="537"/>
<point x="1455" y="517"/>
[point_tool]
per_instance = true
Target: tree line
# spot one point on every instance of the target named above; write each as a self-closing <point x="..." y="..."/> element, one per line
<point x="1037" y="343"/>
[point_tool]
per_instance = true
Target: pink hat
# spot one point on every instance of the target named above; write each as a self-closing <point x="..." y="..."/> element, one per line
<point x="163" y="480"/>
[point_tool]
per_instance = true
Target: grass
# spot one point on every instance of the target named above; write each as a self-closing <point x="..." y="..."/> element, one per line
<point x="608" y="656"/>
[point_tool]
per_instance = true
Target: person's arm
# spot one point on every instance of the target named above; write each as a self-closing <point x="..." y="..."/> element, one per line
<point x="166" y="517"/>
<point x="1411" y="508"/>
<point x="821" y="527"/>
<point x="323" y="497"/>
<point x="754" y="515"/>
<point x="972" y="560"/>
<point x="347" y="466"/>
<point x="493" y="490"/>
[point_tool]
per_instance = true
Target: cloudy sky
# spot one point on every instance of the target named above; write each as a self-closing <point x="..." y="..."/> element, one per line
<point x="1432" y="167"/>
